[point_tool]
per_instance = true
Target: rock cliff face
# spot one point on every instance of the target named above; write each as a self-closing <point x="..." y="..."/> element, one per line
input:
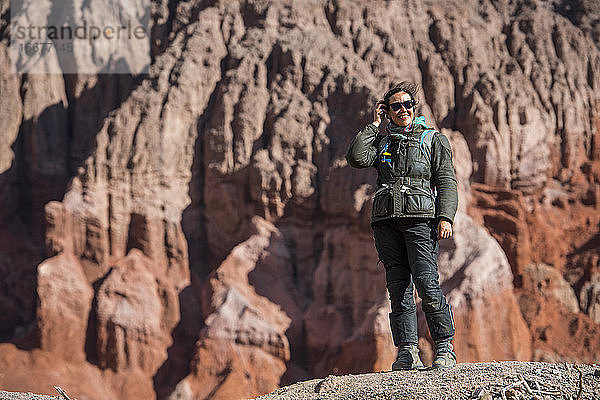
<point x="196" y="232"/>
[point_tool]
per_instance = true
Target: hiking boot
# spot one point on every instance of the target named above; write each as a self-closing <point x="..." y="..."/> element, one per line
<point x="408" y="358"/>
<point x="444" y="354"/>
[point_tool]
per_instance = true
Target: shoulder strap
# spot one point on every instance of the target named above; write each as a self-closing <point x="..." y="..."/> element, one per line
<point x="425" y="142"/>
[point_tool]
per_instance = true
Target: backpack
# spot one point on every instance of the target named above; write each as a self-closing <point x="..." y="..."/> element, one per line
<point x="424" y="144"/>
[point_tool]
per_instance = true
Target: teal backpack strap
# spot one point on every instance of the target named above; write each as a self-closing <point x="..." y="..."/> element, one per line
<point x="425" y="145"/>
<point x="425" y="142"/>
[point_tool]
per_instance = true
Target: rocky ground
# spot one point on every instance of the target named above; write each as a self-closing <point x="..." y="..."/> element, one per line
<point x="485" y="381"/>
<point x="482" y="381"/>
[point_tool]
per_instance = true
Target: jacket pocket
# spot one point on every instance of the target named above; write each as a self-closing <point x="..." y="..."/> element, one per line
<point x="383" y="202"/>
<point x="418" y="202"/>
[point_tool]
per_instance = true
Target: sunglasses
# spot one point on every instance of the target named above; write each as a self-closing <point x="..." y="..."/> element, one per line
<point x="406" y="104"/>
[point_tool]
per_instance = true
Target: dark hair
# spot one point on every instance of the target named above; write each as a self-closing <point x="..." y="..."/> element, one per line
<point x="405" y="86"/>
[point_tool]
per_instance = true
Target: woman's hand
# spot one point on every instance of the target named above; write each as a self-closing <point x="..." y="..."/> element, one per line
<point x="444" y="229"/>
<point x="378" y="113"/>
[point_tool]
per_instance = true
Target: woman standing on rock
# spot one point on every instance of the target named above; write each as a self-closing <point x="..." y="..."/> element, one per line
<point x="413" y="208"/>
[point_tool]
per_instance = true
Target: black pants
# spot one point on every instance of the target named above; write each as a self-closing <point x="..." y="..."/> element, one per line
<point x="408" y="248"/>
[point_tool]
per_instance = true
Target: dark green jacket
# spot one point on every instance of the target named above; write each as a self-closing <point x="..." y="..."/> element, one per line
<point x="410" y="182"/>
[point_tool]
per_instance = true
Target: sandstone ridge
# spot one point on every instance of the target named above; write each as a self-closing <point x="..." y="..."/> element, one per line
<point x="196" y="233"/>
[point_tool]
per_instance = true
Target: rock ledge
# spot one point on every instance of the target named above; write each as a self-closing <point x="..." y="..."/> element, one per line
<point x="465" y="381"/>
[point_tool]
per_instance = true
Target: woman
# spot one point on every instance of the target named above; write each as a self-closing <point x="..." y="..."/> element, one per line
<point x="413" y="207"/>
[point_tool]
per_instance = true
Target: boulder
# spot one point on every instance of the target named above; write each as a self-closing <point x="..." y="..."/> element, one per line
<point x="136" y="310"/>
<point x="65" y="300"/>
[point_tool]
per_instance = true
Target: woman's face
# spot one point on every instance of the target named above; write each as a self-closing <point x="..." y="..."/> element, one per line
<point x="404" y="116"/>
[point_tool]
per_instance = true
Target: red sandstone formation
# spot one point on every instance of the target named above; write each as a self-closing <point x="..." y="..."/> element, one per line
<point x="196" y="232"/>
